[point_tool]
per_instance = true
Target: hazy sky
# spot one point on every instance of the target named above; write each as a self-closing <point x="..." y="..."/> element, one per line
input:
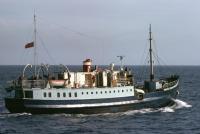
<point x="71" y="30"/>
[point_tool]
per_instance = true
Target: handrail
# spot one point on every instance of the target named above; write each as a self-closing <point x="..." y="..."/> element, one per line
<point x="25" y="68"/>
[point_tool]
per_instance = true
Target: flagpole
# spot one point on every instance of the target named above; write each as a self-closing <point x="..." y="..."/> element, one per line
<point x="35" y="47"/>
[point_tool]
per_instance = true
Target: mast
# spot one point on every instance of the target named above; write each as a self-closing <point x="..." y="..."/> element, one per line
<point x="35" y="47"/>
<point x="150" y="53"/>
<point x="121" y="58"/>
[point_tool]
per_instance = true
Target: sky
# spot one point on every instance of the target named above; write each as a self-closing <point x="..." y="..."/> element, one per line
<point x="69" y="31"/>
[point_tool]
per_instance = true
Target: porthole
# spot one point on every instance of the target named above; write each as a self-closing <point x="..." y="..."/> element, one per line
<point x="126" y="90"/>
<point x="109" y="91"/>
<point x="64" y="94"/>
<point x="122" y="90"/>
<point x="75" y="94"/>
<point x="106" y="92"/>
<point x="96" y="92"/>
<point x="101" y="92"/>
<point x="45" y="94"/>
<point x="91" y="92"/>
<point x="49" y="94"/>
<point x="58" y="95"/>
<point x="114" y="91"/>
<point x="118" y="91"/>
<point x="82" y="93"/>
<point x="87" y="92"/>
<point x="130" y="89"/>
<point x="70" y="95"/>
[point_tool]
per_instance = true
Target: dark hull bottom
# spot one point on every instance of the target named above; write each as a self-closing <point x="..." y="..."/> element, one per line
<point x="15" y="106"/>
<point x="151" y="100"/>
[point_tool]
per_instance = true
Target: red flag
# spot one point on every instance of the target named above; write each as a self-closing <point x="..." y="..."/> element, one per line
<point x="28" y="45"/>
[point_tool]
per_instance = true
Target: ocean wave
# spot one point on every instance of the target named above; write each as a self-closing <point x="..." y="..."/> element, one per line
<point x="7" y="115"/>
<point x="179" y="104"/>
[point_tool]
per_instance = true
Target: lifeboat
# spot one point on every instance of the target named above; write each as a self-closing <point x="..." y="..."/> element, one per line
<point x="57" y="83"/>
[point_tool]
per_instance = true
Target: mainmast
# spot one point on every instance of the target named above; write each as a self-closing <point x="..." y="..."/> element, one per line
<point x="150" y="53"/>
<point x="35" y="47"/>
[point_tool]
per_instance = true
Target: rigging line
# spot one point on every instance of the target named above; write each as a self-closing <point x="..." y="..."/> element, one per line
<point x="156" y="53"/>
<point x="45" y="48"/>
<point x="74" y="31"/>
<point x="156" y="50"/>
<point x="143" y="54"/>
<point x="144" y="65"/>
<point x="156" y="57"/>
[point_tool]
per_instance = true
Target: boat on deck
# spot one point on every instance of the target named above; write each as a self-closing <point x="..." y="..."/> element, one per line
<point x="89" y="91"/>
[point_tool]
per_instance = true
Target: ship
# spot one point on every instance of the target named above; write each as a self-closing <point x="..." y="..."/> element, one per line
<point x="92" y="90"/>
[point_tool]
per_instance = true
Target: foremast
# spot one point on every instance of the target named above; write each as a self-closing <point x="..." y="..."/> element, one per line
<point x="35" y="47"/>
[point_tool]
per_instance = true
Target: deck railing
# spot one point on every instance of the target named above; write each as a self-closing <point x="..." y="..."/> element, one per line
<point x="34" y="84"/>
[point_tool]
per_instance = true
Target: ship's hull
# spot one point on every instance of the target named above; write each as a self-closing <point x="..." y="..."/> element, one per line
<point x="110" y="105"/>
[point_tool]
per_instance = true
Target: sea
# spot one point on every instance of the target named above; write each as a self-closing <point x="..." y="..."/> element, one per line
<point x="182" y="118"/>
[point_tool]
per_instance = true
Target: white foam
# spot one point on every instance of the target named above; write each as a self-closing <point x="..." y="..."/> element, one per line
<point x="178" y="105"/>
<point x="181" y="104"/>
<point x="167" y="110"/>
<point x="141" y="111"/>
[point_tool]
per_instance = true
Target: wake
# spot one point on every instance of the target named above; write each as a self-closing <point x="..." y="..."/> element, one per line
<point x="179" y="104"/>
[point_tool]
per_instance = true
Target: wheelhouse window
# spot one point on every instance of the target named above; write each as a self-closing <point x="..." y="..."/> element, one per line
<point x="28" y="94"/>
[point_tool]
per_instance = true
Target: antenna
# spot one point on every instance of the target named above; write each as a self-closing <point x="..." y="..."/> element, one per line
<point x="121" y="57"/>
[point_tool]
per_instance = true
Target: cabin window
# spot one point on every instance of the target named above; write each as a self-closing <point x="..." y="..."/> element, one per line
<point x="45" y="94"/>
<point x="58" y="94"/>
<point x="82" y="93"/>
<point x="126" y="90"/>
<point x="114" y="91"/>
<point x="109" y="91"/>
<point x="96" y="92"/>
<point x="70" y="95"/>
<point x="105" y="91"/>
<point x="87" y="92"/>
<point x="130" y="89"/>
<point x="64" y="94"/>
<point x="122" y="90"/>
<point x="49" y="94"/>
<point x="101" y="92"/>
<point x="28" y="94"/>
<point x="75" y="94"/>
<point x="91" y="92"/>
<point x="118" y="91"/>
